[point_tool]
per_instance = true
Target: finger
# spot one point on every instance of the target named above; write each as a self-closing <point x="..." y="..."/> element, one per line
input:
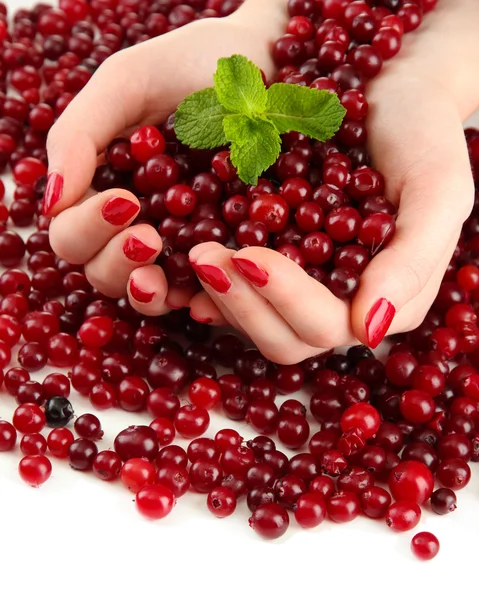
<point x="204" y="310"/>
<point x="80" y="232"/>
<point x="147" y="289"/>
<point x="180" y="297"/>
<point x="313" y="312"/>
<point x="255" y="315"/>
<point x="434" y="188"/>
<point x="110" y="269"/>
<point x="108" y="104"/>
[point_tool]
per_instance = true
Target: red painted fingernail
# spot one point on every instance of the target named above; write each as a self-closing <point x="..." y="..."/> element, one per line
<point x="378" y="321"/>
<point x="140" y="295"/>
<point x="136" y="250"/>
<point x="53" y="192"/>
<point x="203" y="321"/>
<point x="213" y="276"/>
<point x="118" y="211"/>
<point x="251" y="271"/>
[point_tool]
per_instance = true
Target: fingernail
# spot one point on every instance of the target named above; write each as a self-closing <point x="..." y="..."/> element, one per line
<point x="53" y="192"/>
<point x="203" y="321"/>
<point x="118" y="211"/>
<point x="213" y="276"/>
<point x="136" y="250"/>
<point x="378" y="321"/>
<point x="140" y="295"/>
<point x="251" y="271"/>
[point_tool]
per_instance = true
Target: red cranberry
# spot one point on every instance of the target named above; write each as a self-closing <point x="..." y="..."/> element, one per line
<point x="35" y="470"/>
<point x="403" y="515"/>
<point x="136" y="441"/>
<point x="107" y="465"/>
<point x="411" y="481"/>
<point x="270" y="520"/>
<point x="425" y="546"/>
<point x="155" y="501"/>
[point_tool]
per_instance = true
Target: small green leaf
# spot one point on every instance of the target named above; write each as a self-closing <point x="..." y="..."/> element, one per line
<point x="199" y="120"/>
<point x="315" y="113"/>
<point x="255" y="145"/>
<point x="239" y="86"/>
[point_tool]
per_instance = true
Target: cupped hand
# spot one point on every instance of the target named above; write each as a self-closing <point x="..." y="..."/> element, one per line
<point x="416" y="139"/>
<point x="140" y="85"/>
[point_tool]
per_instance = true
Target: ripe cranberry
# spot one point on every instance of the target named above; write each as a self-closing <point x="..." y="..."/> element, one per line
<point x="443" y="501"/>
<point x="59" y="441"/>
<point x="35" y="470"/>
<point x="204" y="393"/>
<point x="375" y="502"/>
<point x="81" y="454"/>
<point x="411" y="481"/>
<point x="191" y="421"/>
<point x="136" y="473"/>
<point x="29" y="418"/>
<point x="403" y="515"/>
<point x="453" y="473"/>
<point x="221" y="502"/>
<point x="107" y="465"/>
<point x="32" y="444"/>
<point x="96" y="332"/>
<point x="270" y="520"/>
<point x="293" y="431"/>
<point x="136" y="441"/>
<point x="361" y="416"/>
<point x="425" y="546"/>
<point x="155" y="501"/>
<point x="89" y="427"/>
<point x="343" y="507"/>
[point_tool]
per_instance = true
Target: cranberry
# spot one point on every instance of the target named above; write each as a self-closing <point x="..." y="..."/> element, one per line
<point x="361" y="416"/>
<point x="443" y="501"/>
<point x="411" y="481"/>
<point x="59" y="441"/>
<point x="136" y="473"/>
<point x="81" y="454"/>
<point x="8" y="436"/>
<point x="35" y="470"/>
<point x="155" y="501"/>
<point x="136" y="442"/>
<point x="375" y="502"/>
<point x="269" y="520"/>
<point x="453" y="473"/>
<point x="221" y="502"/>
<point x="425" y="546"/>
<point x="191" y="421"/>
<point x="29" y="418"/>
<point x="343" y="507"/>
<point x="403" y="515"/>
<point x="107" y="465"/>
<point x="32" y="444"/>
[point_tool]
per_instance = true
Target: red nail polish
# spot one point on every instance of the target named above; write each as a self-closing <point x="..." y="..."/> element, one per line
<point x="53" y="192"/>
<point x="118" y="211"/>
<point x="378" y="321"/>
<point x="203" y="321"/>
<point x="251" y="271"/>
<point x="214" y="277"/>
<point x="136" y="250"/>
<point x="140" y="295"/>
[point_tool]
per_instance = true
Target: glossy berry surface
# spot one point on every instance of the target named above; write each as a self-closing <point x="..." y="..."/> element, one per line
<point x="403" y="516"/>
<point x="270" y="521"/>
<point x="425" y="546"/>
<point x="221" y="502"/>
<point x="155" y="501"/>
<point x="35" y="470"/>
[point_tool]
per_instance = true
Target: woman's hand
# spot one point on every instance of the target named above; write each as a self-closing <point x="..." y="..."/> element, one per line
<point x="416" y="139"/>
<point x="142" y="84"/>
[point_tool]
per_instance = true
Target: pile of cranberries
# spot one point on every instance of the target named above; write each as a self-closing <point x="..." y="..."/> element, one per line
<point x="408" y="425"/>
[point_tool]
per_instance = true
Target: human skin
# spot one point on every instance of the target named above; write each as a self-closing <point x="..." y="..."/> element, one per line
<point x="417" y="106"/>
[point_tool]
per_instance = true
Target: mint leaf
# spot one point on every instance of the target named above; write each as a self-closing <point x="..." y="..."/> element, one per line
<point x="199" y="120"/>
<point x="239" y="86"/>
<point x="316" y="113"/>
<point x="255" y="145"/>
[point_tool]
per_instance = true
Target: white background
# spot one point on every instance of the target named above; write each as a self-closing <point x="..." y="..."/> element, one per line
<point x="79" y="537"/>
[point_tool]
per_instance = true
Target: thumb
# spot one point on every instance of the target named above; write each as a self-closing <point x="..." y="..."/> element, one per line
<point x="436" y="194"/>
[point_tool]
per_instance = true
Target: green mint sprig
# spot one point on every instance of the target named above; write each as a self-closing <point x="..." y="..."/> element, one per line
<point x="240" y="111"/>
